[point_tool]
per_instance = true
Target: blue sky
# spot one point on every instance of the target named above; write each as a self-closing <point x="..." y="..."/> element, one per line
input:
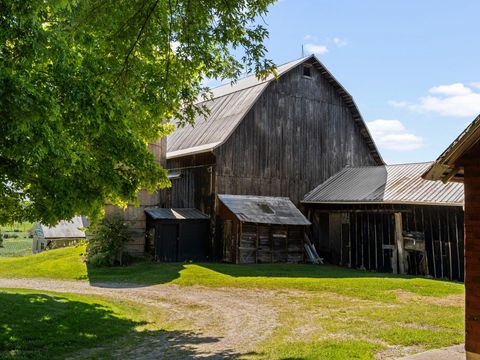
<point x="412" y="66"/>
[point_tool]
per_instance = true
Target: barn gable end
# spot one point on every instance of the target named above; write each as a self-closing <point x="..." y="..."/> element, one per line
<point x="300" y="131"/>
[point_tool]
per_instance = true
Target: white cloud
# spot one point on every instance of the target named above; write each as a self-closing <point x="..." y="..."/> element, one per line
<point x="315" y="49"/>
<point x="451" y="90"/>
<point x="456" y="100"/>
<point x="392" y="135"/>
<point x="475" y="84"/>
<point x="309" y="37"/>
<point x="340" y="42"/>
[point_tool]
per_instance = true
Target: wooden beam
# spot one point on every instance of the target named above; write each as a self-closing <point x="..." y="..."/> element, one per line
<point x="399" y="242"/>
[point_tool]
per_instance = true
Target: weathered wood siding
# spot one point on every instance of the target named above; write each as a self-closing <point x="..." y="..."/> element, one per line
<point x="249" y="243"/>
<point x="299" y="133"/>
<point x="471" y="165"/>
<point x="363" y="236"/>
<point x="196" y="186"/>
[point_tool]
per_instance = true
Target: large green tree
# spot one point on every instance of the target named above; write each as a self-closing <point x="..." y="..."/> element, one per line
<point x="85" y="85"/>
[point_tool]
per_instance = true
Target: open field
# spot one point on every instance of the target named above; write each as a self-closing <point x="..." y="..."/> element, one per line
<point x="222" y="311"/>
<point x="17" y="241"/>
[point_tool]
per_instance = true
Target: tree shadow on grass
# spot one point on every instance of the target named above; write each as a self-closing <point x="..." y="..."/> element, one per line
<point x="286" y="270"/>
<point x="146" y="273"/>
<point x="138" y="274"/>
<point x="40" y="326"/>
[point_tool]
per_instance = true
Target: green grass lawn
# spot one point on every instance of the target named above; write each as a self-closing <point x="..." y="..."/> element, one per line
<point x="341" y="313"/>
<point x="51" y="326"/>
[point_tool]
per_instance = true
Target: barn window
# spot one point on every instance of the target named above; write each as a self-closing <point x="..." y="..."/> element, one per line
<point x="266" y="208"/>
<point x="307" y="71"/>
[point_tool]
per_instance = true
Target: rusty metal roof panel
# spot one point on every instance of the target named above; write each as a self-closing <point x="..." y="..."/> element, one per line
<point x="264" y="209"/>
<point x="402" y="183"/>
<point x="176" y="214"/>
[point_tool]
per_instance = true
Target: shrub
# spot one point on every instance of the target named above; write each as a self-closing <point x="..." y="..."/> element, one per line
<point x="107" y="246"/>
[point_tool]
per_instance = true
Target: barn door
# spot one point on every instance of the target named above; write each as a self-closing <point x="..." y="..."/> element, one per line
<point x="166" y="242"/>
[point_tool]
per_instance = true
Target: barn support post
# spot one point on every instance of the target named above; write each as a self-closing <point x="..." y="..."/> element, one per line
<point x="399" y="242"/>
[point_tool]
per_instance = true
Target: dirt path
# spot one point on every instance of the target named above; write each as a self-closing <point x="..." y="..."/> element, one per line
<point x="223" y="324"/>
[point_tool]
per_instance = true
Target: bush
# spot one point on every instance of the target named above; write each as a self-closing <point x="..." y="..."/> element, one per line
<point x="107" y="247"/>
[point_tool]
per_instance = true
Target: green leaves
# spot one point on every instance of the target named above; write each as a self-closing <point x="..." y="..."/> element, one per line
<point x="86" y="85"/>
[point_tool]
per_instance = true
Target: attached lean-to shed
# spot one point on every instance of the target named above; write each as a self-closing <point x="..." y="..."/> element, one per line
<point x="387" y="218"/>
<point x="261" y="229"/>
<point x="65" y="233"/>
<point x="177" y="234"/>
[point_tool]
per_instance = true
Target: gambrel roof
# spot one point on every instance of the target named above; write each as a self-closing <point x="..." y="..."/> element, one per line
<point x="389" y="184"/>
<point x="231" y="103"/>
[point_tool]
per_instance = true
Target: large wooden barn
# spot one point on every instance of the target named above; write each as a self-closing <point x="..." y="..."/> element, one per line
<point x="461" y="163"/>
<point x="277" y="137"/>
<point x="389" y="219"/>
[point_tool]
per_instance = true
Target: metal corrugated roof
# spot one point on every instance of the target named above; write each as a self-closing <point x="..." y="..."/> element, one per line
<point x="176" y="214"/>
<point x="225" y="113"/>
<point x="64" y="229"/>
<point x="264" y="209"/>
<point x="230" y="104"/>
<point x="401" y="183"/>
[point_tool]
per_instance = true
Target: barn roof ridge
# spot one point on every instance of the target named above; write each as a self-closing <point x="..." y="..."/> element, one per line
<point x="230" y="104"/>
<point x="260" y="81"/>
<point x="387" y="165"/>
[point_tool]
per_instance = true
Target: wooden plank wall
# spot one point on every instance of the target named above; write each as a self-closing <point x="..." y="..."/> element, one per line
<point x="196" y="186"/>
<point x="299" y="133"/>
<point x="265" y="243"/>
<point x="363" y="237"/>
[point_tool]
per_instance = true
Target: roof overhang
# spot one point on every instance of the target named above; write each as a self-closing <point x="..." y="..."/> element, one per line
<point x="193" y="150"/>
<point x="446" y="167"/>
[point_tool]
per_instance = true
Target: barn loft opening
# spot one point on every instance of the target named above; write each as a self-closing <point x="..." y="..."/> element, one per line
<point x="307" y="71"/>
<point x="266" y="208"/>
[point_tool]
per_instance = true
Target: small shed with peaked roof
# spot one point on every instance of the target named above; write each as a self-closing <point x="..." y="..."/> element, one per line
<point x="261" y="229"/>
<point x="387" y="218"/>
<point x="177" y="234"/>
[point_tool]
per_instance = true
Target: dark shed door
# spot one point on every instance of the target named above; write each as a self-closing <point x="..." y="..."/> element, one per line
<point x="192" y="241"/>
<point x="166" y="246"/>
